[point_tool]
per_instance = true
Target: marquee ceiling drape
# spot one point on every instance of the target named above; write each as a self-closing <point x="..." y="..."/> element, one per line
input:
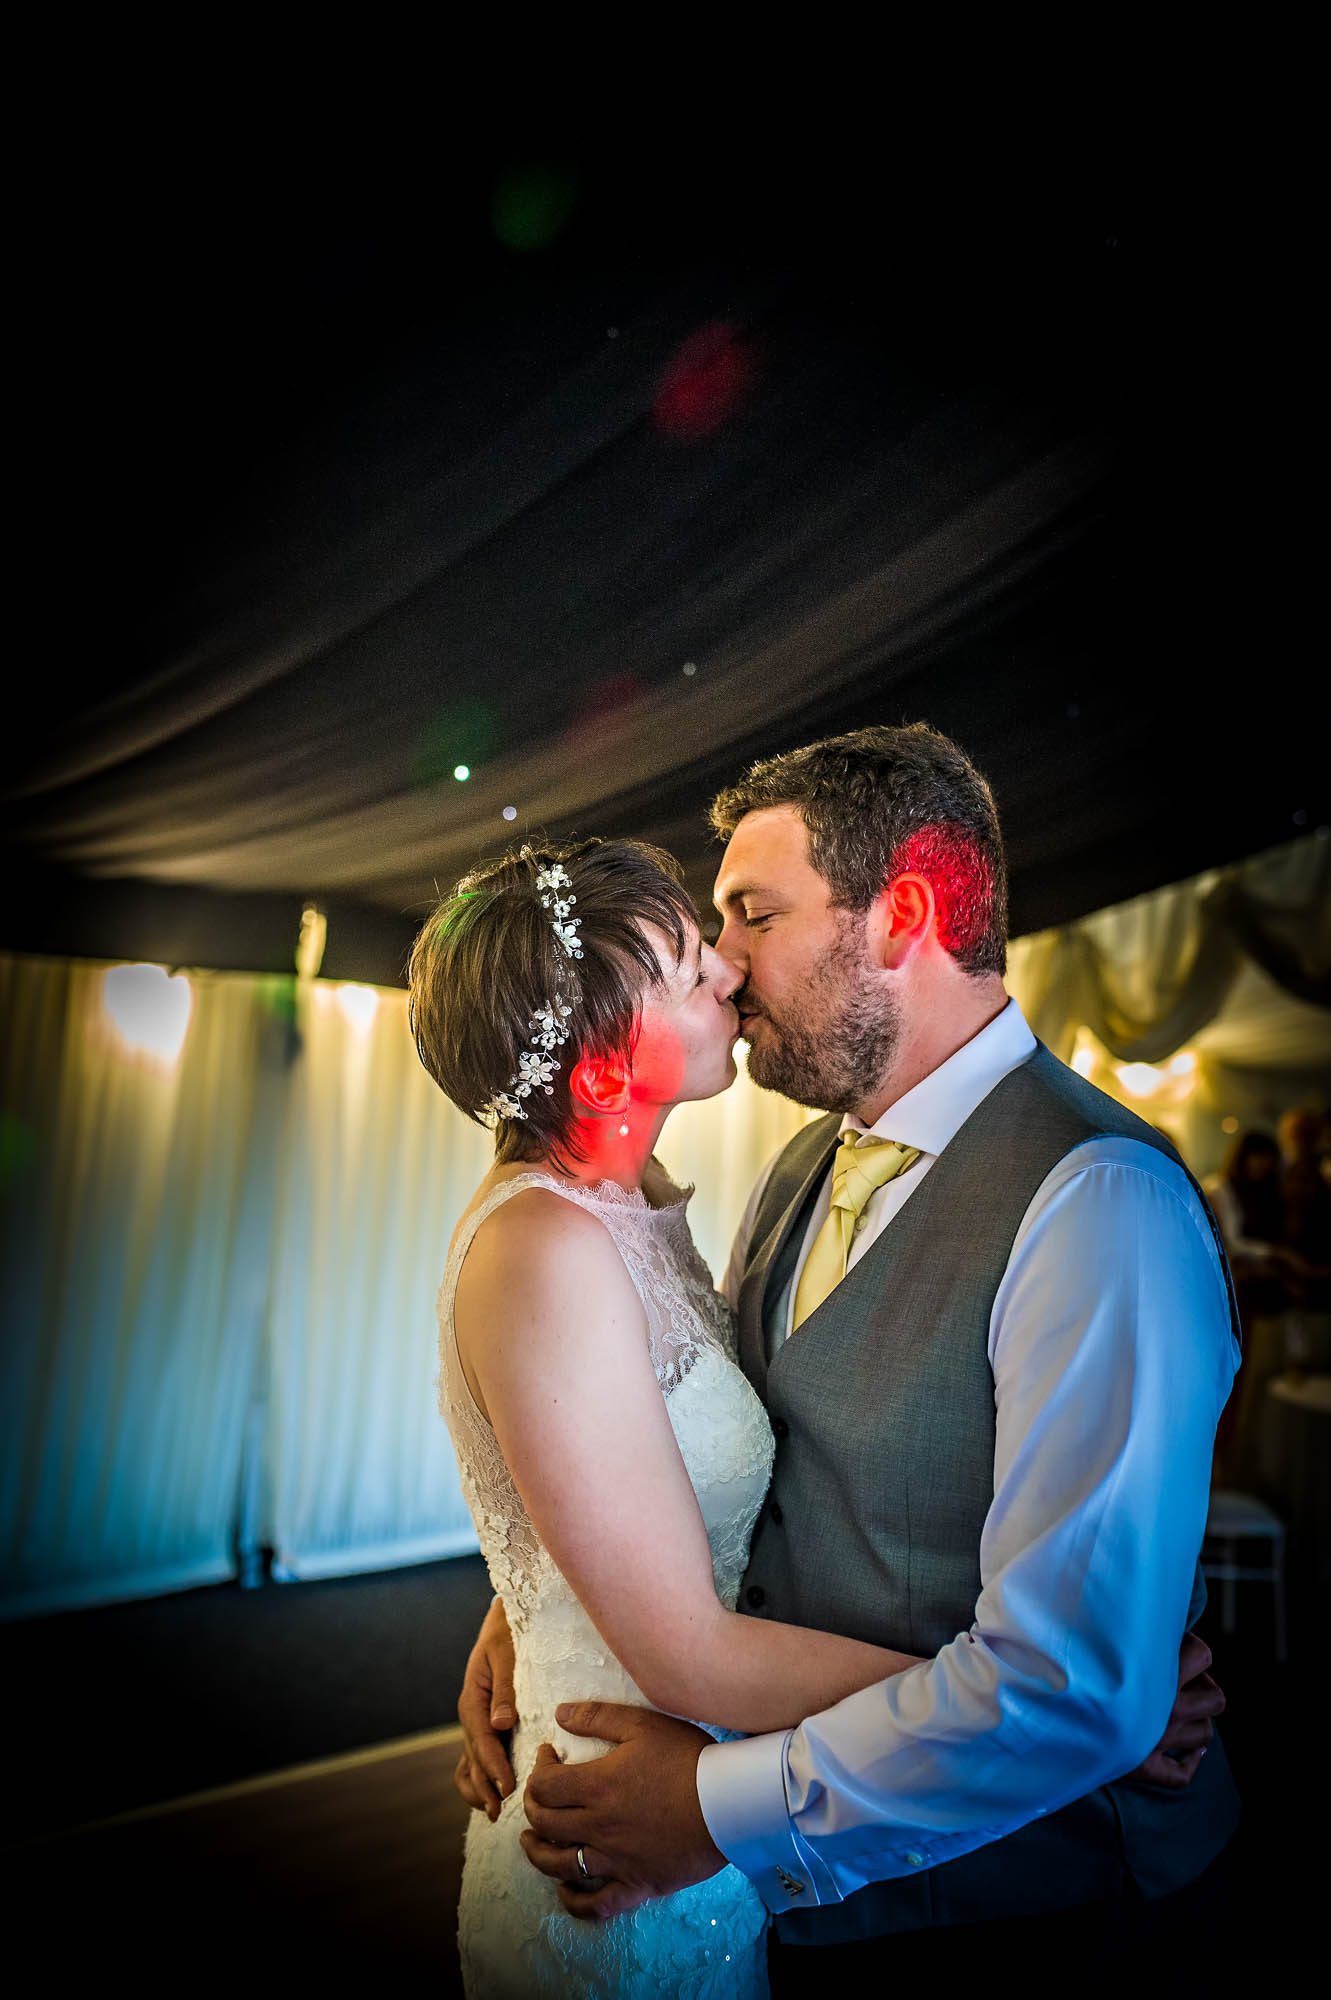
<point x="600" y="481"/>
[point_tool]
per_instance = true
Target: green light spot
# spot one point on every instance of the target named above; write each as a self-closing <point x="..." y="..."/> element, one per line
<point x="462" y="772"/>
<point x="18" y="1150"/>
<point x="459" y="908"/>
<point x="465" y="733"/>
<point x="532" y="203"/>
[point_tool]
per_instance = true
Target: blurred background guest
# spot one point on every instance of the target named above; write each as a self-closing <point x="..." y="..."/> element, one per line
<point x="1248" y="1197"/>
<point x="1307" y="1237"/>
<point x="1307" y="1203"/>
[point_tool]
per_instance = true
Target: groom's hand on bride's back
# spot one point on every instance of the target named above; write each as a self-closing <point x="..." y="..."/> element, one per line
<point x="1191" y="1723"/>
<point x="487" y="1712"/>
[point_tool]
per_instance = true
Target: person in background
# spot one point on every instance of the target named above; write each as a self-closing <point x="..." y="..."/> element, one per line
<point x="1248" y="1198"/>
<point x="1302" y="1133"/>
<point x="1307" y="1206"/>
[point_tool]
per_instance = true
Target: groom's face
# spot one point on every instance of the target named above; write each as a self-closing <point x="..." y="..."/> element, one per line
<point x="820" y="1020"/>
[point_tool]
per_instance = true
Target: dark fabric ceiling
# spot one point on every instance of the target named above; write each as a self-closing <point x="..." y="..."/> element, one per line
<point x="604" y="481"/>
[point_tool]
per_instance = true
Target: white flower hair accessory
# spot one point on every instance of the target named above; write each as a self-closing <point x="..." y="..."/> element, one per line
<point x="536" y="1067"/>
<point x="504" y="1107"/>
<point x="549" y="882"/>
<point x="549" y="1022"/>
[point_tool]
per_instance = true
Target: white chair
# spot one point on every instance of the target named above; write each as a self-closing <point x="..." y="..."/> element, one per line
<point x="1234" y="1520"/>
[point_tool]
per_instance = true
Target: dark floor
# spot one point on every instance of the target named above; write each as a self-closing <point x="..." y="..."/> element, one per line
<point x="132" y="1703"/>
<point x="116" y="1708"/>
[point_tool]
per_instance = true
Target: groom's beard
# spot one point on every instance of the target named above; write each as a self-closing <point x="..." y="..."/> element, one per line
<point x="833" y="1054"/>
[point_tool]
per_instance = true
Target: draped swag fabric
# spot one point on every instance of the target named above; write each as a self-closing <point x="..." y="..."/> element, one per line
<point x="220" y="1274"/>
<point x="1236" y="964"/>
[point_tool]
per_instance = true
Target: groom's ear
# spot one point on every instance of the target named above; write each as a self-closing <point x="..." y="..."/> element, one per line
<point x="905" y="916"/>
<point x="600" y="1084"/>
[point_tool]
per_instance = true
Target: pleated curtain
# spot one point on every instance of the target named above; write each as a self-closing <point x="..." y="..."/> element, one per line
<point x="376" y="1169"/>
<point x="134" y="1233"/>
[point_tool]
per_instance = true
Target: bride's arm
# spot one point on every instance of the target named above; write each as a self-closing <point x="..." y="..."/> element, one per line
<point x="553" y="1339"/>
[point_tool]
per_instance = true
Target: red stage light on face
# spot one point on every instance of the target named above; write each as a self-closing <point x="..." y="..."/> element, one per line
<point x="705" y="382"/>
<point x="659" y="1061"/>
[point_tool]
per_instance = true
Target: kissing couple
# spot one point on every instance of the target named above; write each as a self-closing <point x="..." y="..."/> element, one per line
<point x="907" y="1520"/>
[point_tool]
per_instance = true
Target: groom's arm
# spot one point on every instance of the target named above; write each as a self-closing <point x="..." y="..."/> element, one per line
<point x="1112" y="1359"/>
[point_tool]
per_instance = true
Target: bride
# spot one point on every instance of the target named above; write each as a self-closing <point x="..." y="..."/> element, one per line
<point x="611" y="1451"/>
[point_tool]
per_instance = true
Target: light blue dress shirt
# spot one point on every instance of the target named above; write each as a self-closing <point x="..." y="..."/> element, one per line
<point x="1113" y="1355"/>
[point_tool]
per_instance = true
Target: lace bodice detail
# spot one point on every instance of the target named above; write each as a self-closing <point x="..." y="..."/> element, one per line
<point x="688" y="1326"/>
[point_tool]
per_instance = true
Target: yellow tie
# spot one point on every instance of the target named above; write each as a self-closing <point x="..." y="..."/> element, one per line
<point x="861" y="1166"/>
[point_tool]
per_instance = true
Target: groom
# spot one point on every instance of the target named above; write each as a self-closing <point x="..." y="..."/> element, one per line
<point x="988" y="1314"/>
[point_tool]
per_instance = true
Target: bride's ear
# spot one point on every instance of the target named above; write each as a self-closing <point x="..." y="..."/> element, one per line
<point x="600" y="1084"/>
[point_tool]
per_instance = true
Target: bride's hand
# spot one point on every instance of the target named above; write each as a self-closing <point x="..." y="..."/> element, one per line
<point x="1188" y="1733"/>
<point x="484" y="1775"/>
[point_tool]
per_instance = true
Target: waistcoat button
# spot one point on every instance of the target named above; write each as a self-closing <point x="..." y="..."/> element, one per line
<point x="775" y="1511"/>
<point x="755" y="1595"/>
<point x="780" y="1428"/>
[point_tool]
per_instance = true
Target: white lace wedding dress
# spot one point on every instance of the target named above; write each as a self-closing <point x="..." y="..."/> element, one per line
<point x="514" y="1936"/>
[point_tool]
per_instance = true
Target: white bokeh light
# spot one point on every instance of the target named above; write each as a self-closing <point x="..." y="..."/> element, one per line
<point x="149" y="1008"/>
<point x="1164" y="1084"/>
<point x="359" y="1004"/>
<point x="1139" y="1079"/>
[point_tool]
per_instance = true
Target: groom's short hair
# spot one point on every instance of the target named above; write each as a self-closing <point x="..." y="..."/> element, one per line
<point x="883" y="802"/>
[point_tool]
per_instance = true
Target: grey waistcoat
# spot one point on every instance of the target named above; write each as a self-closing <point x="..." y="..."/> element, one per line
<point x="883" y="1407"/>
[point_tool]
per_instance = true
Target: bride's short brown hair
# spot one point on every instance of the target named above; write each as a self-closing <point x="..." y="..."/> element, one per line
<point x="487" y="958"/>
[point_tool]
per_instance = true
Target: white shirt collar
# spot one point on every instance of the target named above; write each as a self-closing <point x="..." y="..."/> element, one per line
<point x="939" y="1105"/>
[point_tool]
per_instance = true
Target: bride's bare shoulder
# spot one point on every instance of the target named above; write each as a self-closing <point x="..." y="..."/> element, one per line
<point x="539" y="1235"/>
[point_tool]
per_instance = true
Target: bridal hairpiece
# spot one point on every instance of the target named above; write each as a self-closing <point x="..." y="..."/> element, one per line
<point x="536" y="1067"/>
<point x="550" y="881"/>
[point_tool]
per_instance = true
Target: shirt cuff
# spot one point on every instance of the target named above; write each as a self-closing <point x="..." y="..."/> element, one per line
<point x="742" y="1792"/>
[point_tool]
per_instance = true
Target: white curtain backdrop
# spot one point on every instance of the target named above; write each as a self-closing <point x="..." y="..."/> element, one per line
<point x="376" y="1168"/>
<point x="220" y="1267"/>
<point x="133" y="1235"/>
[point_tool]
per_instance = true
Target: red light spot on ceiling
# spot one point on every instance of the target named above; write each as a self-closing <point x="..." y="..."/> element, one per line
<point x="705" y="382"/>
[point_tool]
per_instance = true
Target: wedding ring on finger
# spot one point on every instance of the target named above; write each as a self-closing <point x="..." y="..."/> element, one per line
<point x="582" y="1864"/>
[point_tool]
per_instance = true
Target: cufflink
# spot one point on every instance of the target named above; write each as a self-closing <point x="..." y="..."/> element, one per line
<point x="789" y="1883"/>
